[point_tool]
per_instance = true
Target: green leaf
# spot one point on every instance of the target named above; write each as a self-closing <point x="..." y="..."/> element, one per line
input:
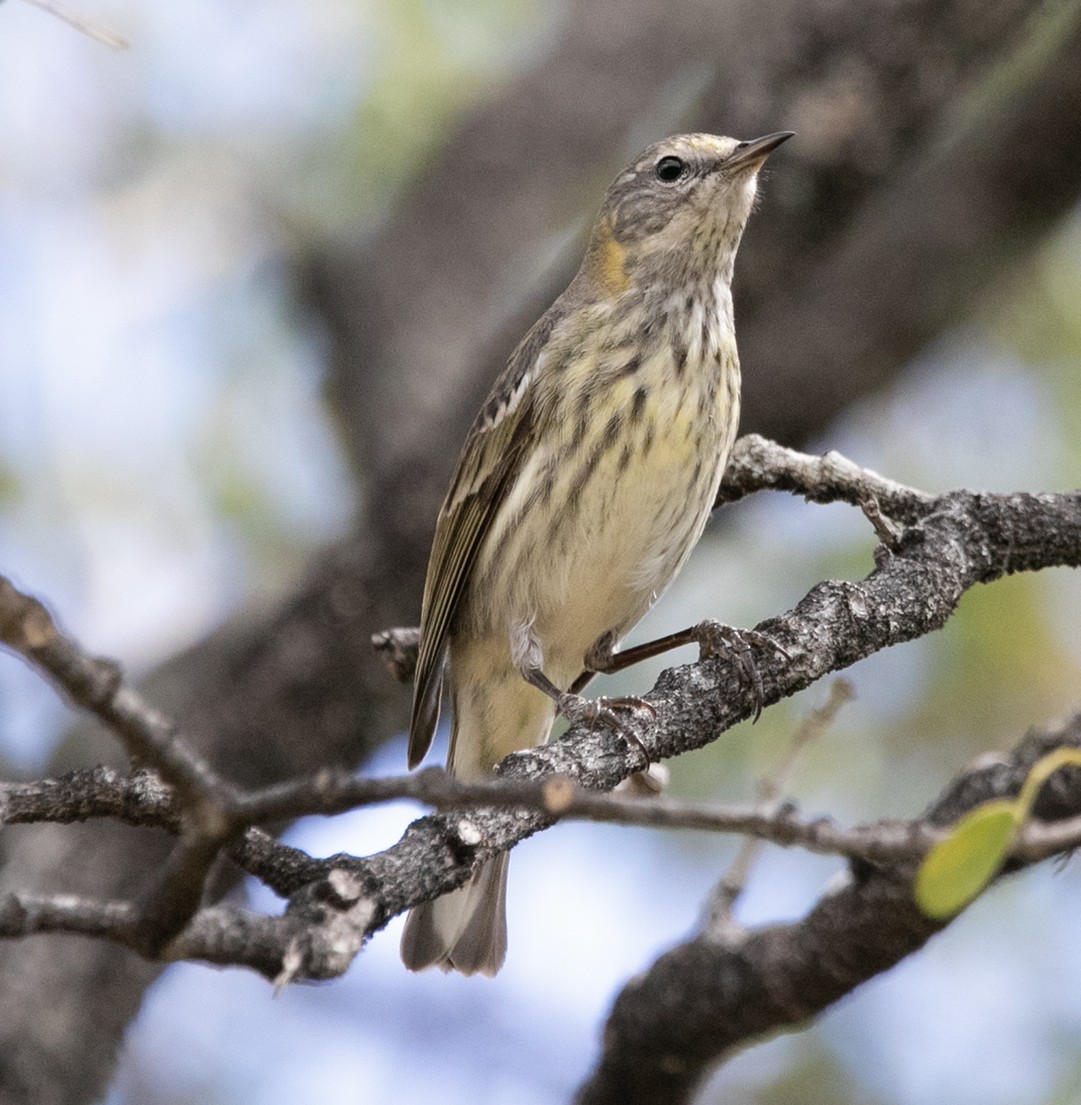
<point x="959" y="867"/>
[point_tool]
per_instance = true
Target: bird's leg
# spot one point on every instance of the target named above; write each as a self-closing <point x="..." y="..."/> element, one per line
<point x="575" y="708"/>
<point x="527" y="655"/>
<point x="713" y="639"/>
<point x="604" y="659"/>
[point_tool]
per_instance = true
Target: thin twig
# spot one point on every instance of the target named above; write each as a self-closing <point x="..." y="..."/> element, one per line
<point x="85" y="26"/>
<point x="399" y="649"/>
<point x="97" y="685"/>
<point x="336" y="903"/>
<point x="207" y="801"/>
<point x="102" y="792"/>
<point x="758" y="464"/>
<point x="719" y="922"/>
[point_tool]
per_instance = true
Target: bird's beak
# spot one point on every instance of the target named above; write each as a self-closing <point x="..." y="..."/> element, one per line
<point x="752" y="155"/>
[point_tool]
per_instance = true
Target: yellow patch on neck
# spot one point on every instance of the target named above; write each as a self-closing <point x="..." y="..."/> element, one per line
<point x="609" y="263"/>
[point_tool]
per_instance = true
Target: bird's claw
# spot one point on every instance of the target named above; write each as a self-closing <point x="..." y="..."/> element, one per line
<point x="716" y="639"/>
<point x="575" y="708"/>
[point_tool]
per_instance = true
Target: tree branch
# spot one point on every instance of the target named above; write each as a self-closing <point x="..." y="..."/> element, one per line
<point x="95" y="684"/>
<point x="706" y="997"/>
<point x="758" y="464"/>
<point x="944" y="545"/>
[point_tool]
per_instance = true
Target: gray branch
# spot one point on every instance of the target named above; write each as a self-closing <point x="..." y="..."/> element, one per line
<point x="942" y="545"/>
<point x="707" y="997"/>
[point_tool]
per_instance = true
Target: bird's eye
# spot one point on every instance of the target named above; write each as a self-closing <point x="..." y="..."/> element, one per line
<point x="670" y="169"/>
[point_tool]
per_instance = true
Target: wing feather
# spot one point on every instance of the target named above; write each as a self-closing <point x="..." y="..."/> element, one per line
<point x="491" y="459"/>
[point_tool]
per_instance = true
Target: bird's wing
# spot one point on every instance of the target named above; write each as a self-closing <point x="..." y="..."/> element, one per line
<point x="491" y="458"/>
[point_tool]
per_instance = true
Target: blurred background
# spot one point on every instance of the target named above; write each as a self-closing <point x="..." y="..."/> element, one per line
<point x="256" y="272"/>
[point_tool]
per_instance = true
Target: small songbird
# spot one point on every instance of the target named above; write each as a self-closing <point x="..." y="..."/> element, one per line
<point x="582" y="488"/>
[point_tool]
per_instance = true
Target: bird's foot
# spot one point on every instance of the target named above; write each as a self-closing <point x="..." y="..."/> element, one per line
<point x="716" y="639"/>
<point x="577" y="709"/>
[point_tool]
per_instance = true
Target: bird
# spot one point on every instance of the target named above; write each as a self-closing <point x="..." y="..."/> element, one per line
<point x="581" y="489"/>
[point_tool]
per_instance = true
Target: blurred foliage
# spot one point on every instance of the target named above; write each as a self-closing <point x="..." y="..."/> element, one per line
<point x="10" y="484"/>
<point x="430" y="61"/>
<point x="818" y="1077"/>
<point x="784" y="1071"/>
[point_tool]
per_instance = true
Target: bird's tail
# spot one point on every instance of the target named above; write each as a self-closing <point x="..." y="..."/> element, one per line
<point x="465" y="930"/>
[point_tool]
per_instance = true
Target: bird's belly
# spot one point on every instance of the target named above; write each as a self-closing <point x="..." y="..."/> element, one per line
<point x="633" y="528"/>
<point x="617" y="533"/>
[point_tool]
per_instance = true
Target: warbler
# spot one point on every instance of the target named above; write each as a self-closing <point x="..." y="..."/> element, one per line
<point x="582" y="488"/>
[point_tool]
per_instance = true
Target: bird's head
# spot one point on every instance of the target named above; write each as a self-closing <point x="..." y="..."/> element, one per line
<point x="682" y="203"/>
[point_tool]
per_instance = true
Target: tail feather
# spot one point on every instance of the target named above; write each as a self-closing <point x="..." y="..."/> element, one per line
<point x="495" y="711"/>
<point x="465" y="930"/>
